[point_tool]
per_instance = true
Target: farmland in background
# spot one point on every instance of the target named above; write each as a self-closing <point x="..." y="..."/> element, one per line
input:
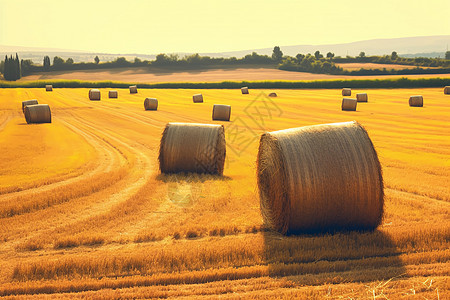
<point x="84" y="211"/>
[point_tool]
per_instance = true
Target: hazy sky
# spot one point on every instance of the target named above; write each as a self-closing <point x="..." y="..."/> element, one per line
<point x="148" y="26"/>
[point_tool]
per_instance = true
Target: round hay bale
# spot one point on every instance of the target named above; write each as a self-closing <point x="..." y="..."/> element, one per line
<point x="192" y="147"/>
<point x="346" y="92"/>
<point x="362" y="97"/>
<point x="28" y="102"/>
<point x="349" y="104"/>
<point x="38" y="113"/>
<point x="49" y="88"/>
<point x="113" y="94"/>
<point x="244" y="90"/>
<point x="151" y="104"/>
<point x="273" y="95"/>
<point x="133" y="89"/>
<point x="416" y="101"/>
<point x="221" y="112"/>
<point x="197" y="98"/>
<point x="320" y="178"/>
<point x="94" y="94"/>
<point x="447" y="90"/>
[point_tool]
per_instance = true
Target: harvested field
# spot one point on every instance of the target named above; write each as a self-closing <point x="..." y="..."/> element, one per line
<point x="85" y="212"/>
<point x="357" y="66"/>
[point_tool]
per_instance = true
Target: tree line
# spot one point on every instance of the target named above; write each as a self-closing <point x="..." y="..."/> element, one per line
<point x="11" y="68"/>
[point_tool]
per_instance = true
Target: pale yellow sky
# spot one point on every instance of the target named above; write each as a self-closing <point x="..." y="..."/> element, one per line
<point x="148" y="27"/>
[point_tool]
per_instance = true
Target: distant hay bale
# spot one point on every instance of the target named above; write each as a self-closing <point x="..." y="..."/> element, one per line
<point x="273" y="95"/>
<point x="346" y="92"/>
<point x="151" y="104"/>
<point x="38" y="113"/>
<point x="320" y="178"/>
<point x="94" y="94"/>
<point x="28" y="102"/>
<point x="192" y="147"/>
<point x="113" y="94"/>
<point x="416" y="101"/>
<point x="349" y="104"/>
<point x="133" y="89"/>
<point x="447" y="90"/>
<point x="244" y="90"/>
<point x="197" y="98"/>
<point x="221" y="112"/>
<point x="49" y="88"/>
<point x="362" y="97"/>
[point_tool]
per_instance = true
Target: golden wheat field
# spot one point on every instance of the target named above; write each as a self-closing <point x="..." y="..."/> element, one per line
<point x="85" y="212"/>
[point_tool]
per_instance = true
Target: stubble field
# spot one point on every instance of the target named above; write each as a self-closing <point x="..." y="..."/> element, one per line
<point x="84" y="211"/>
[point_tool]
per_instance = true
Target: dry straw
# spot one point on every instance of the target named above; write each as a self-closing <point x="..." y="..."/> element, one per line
<point x="197" y="98"/>
<point x="113" y="94"/>
<point x="244" y="90"/>
<point x="221" y="112"/>
<point x="28" y="102"/>
<point x="151" y="104"/>
<point x="133" y="89"/>
<point x="49" y="87"/>
<point x="192" y="147"/>
<point x="346" y="92"/>
<point x="38" y="113"/>
<point x="447" y="90"/>
<point x="94" y="94"/>
<point x="349" y="104"/>
<point x="320" y="178"/>
<point x="273" y="95"/>
<point x="362" y="97"/>
<point x="416" y="101"/>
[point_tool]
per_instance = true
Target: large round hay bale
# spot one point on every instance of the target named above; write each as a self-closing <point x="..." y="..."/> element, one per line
<point x="38" y="113"/>
<point x="28" y="102"/>
<point x="362" y="97"/>
<point x="133" y="89"/>
<point x="151" y="104"/>
<point x="221" y="112"/>
<point x="197" y="98"/>
<point x="192" y="147"/>
<point x="346" y="92"/>
<point x="349" y="104"/>
<point x="273" y="95"/>
<point x="49" y="88"/>
<point x="447" y="90"/>
<point x="416" y="101"/>
<point x="244" y="90"/>
<point x="94" y="94"/>
<point x="320" y="178"/>
<point x="113" y="94"/>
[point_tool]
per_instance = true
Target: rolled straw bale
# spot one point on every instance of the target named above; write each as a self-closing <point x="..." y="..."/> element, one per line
<point x="447" y="90"/>
<point x="113" y="94"/>
<point x="151" y="104"/>
<point x="28" y="102"/>
<point x="244" y="90"/>
<point x="133" y="89"/>
<point x="94" y="94"/>
<point x="197" y="98"/>
<point x="346" y="92"/>
<point x="38" y="113"/>
<point x="49" y="88"/>
<point x="221" y="112"/>
<point x="192" y="147"/>
<point x="362" y="97"/>
<point x="320" y="178"/>
<point x="349" y="104"/>
<point x="273" y="95"/>
<point x="416" y="101"/>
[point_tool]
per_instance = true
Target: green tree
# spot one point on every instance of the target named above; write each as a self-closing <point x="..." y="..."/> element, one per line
<point x="317" y="55"/>
<point x="362" y="54"/>
<point x="46" y="63"/>
<point x="277" y="54"/>
<point x="447" y="55"/>
<point x="394" y="55"/>
<point x="58" y="61"/>
<point x="330" y="55"/>
<point x="17" y="67"/>
<point x="96" y="59"/>
<point x="69" y="61"/>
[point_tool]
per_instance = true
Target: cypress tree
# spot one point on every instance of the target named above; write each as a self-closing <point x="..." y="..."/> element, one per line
<point x="6" y="68"/>
<point x="17" y="65"/>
